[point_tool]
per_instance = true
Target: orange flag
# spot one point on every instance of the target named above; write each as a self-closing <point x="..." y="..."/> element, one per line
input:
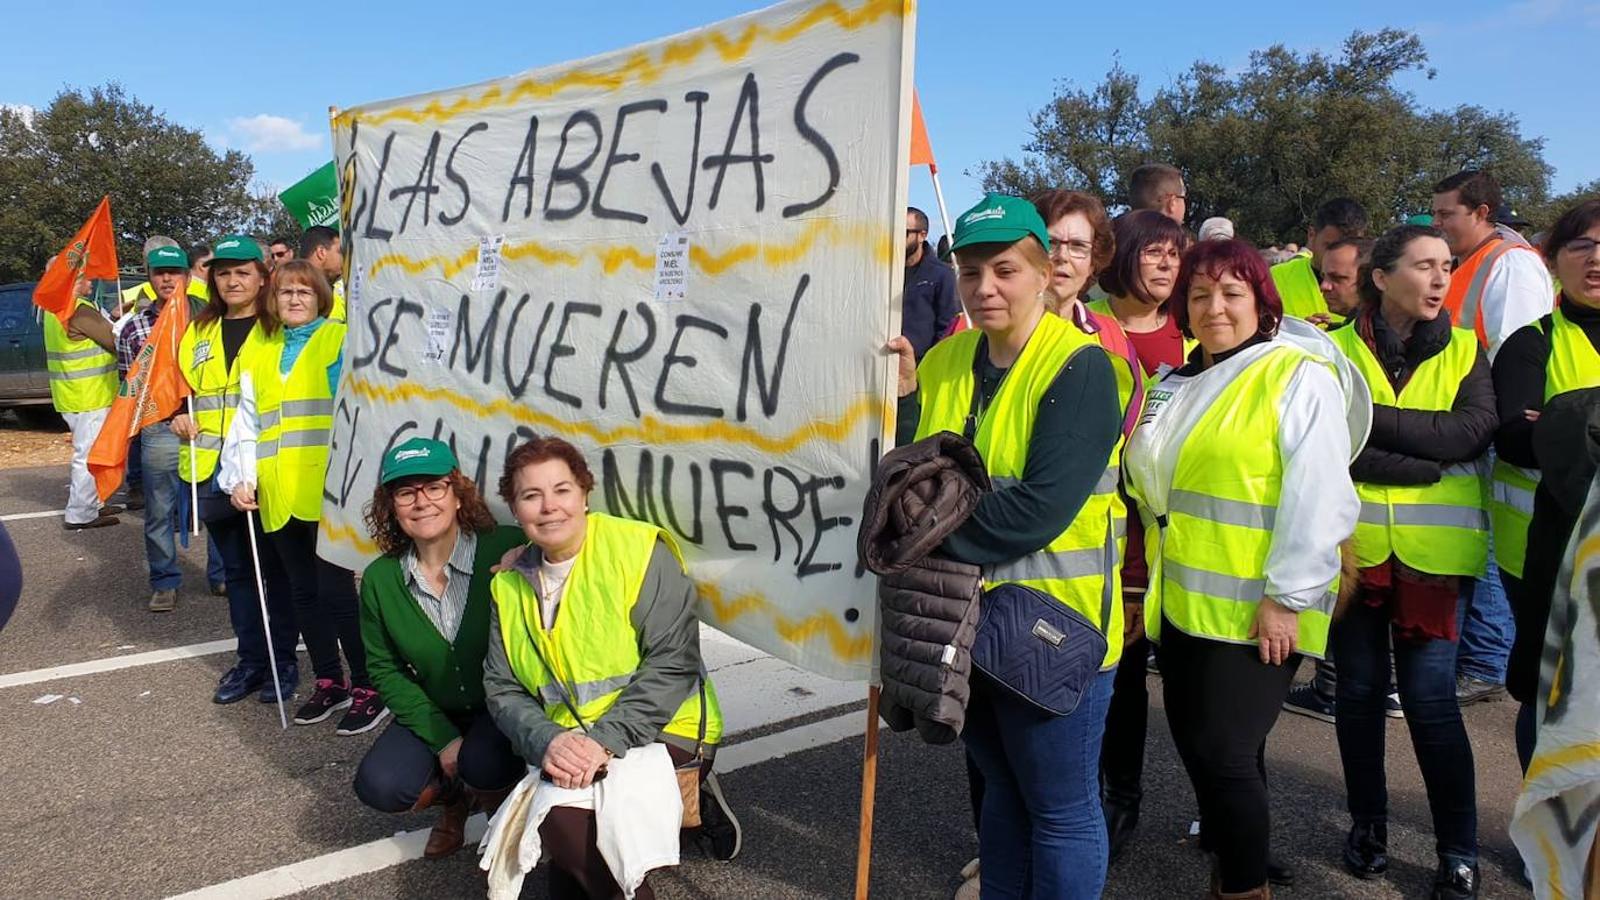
<point x="921" y="150"/>
<point x="153" y="392"/>
<point x="92" y="253"/>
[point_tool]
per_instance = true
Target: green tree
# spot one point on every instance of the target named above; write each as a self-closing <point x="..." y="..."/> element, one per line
<point x="1266" y="145"/>
<point x="162" y="178"/>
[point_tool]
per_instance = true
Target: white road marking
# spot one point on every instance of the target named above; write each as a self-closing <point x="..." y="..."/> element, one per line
<point x="17" y="517"/>
<point x="112" y="664"/>
<point x="384" y="853"/>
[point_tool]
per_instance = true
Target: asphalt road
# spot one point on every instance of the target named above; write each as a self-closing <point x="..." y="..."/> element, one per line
<point x="133" y="784"/>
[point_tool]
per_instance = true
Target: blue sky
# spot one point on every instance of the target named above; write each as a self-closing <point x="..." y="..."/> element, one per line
<point x="264" y="85"/>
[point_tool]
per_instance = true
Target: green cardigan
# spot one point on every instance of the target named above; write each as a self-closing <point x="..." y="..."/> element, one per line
<point x="429" y="683"/>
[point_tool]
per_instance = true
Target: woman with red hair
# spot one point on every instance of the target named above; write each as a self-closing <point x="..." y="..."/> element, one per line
<point x="1239" y="465"/>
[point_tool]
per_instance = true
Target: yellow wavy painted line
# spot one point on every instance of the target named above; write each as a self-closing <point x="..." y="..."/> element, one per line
<point x="649" y="430"/>
<point x="614" y="256"/>
<point x="639" y="68"/>
<point x="796" y="631"/>
<point x="1566" y="757"/>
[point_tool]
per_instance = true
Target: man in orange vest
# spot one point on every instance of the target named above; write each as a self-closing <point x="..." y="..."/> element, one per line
<point x="1498" y="285"/>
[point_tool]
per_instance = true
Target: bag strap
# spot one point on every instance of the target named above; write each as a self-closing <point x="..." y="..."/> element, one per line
<point x="566" y="695"/>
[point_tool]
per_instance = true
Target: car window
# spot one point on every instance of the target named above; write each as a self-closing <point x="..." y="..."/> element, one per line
<point x="16" y="310"/>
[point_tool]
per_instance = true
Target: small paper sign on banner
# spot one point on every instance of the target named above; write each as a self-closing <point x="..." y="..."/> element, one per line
<point x="672" y="266"/>
<point x="487" y="277"/>
<point x="439" y="321"/>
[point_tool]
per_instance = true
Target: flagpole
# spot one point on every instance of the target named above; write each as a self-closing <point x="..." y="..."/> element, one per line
<point x="938" y="196"/>
<point x="869" y="795"/>
<point x="266" y="622"/>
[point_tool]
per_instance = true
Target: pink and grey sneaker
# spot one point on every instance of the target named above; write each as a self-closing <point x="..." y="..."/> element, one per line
<point x="366" y="711"/>
<point x="329" y="697"/>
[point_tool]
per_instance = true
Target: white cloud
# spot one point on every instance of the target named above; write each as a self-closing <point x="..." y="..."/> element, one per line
<point x="263" y="133"/>
<point x="22" y="109"/>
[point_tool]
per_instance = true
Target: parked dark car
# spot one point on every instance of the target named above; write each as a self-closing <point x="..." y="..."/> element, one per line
<point x="24" y="380"/>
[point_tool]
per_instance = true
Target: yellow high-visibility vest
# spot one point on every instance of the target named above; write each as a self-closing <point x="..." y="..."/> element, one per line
<point x="83" y="375"/>
<point x="295" y="416"/>
<point x="1082" y="566"/>
<point x="216" y="394"/>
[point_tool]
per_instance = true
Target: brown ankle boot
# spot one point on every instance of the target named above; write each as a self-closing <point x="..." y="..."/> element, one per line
<point x="488" y="801"/>
<point x="431" y="793"/>
<point x="1261" y="893"/>
<point x="450" y="832"/>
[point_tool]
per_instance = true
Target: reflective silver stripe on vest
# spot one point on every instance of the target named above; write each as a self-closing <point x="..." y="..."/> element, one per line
<point x="1044" y="564"/>
<point x="269" y="419"/>
<point x="1440" y="514"/>
<point x="1106" y="485"/>
<point x="1374" y="513"/>
<point x="1461" y="470"/>
<point x="266" y="450"/>
<point x="1215" y="584"/>
<point x="307" y="407"/>
<point x="310" y="437"/>
<point x="1225" y="512"/>
<point x="1518" y="498"/>
<point x="209" y="403"/>
<point x="209" y="441"/>
<point x="69" y="355"/>
<point x="1480" y="278"/>
<point x="106" y="369"/>
<point x="585" y="692"/>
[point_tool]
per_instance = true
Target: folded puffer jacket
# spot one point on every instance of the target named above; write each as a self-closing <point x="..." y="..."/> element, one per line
<point x="928" y="604"/>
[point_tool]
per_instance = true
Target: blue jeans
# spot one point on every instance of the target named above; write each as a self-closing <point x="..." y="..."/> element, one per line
<point x="216" y="569"/>
<point x="232" y="536"/>
<point x="158" y="447"/>
<point x="1487" y="628"/>
<point x="133" y="479"/>
<point x="1425" y="676"/>
<point x="1042" y="833"/>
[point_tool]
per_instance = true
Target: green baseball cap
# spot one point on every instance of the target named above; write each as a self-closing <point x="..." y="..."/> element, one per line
<point x="1420" y="219"/>
<point x="418" y="456"/>
<point x="998" y="219"/>
<point x="236" y="246"/>
<point x="167" y="258"/>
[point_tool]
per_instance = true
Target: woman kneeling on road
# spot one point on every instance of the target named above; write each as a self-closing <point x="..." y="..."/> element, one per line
<point x="273" y="463"/>
<point x="1038" y="398"/>
<point x="594" y="654"/>
<point x="1239" y="466"/>
<point x="1422" y="540"/>
<point x="425" y="624"/>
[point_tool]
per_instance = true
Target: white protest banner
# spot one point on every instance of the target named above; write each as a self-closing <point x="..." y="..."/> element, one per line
<point x="701" y="262"/>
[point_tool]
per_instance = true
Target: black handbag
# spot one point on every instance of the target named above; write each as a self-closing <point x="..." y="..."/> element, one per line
<point x="1038" y="648"/>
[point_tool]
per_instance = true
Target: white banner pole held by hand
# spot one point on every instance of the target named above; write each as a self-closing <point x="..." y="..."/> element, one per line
<point x="194" y="475"/>
<point x="266" y="622"/>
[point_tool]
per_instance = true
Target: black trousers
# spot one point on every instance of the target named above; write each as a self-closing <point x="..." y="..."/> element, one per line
<point x="1221" y="701"/>
<point x="1127" y="721"/>
<point x="325" y="604"/>
<point x="399" y="764"/>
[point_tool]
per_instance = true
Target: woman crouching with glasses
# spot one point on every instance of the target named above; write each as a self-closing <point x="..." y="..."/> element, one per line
<point x="425" y="623"/>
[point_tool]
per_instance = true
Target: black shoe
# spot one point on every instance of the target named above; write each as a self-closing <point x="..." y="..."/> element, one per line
<point x="1473" y="690"/>
<point x="288" y="680"/>
<point x="1306" y="701"/>
<point x="219" y="589"/>
<point x="1455" y="881"/>
<point x="1366" y="849"/>
<point x="329" y="697"/>
<point x="97" y="522"/>
<point x="366" y="711"/>
<point x="1121" y="820"/>
<point x="720" y="833"/>
<point x="238" y="683"/>
<point x="135" y="501"/>
<point x="113" y="509"/>
<point x="1279" y="873"/>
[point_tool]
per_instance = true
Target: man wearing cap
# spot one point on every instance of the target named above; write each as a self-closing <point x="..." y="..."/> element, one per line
<point x="167" y="267"/>
<point x="1299" y="280"/>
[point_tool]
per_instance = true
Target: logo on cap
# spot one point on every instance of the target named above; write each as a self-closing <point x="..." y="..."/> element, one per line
<point x="227" y="245"/>
<point x="993" y="212"/>
<point x="404" y="455"/>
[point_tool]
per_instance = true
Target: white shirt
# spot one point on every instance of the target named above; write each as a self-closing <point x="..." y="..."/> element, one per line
<point x="552" y="585"/>
<point x="1518" y="292"/>
<point x="238" y="462"/>
<point x="1317" y="505"/>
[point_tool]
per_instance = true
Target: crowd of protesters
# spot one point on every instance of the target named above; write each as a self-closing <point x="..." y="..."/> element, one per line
<point x="1222" y="459"/>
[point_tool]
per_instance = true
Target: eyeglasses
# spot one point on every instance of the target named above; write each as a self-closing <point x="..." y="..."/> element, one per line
<point x="1156" y="254"/>
<point x="433" y="490"/>
<point x="1582" y="246"/>
<point x="1079" y="250"/>
<point x="914" y="231"/>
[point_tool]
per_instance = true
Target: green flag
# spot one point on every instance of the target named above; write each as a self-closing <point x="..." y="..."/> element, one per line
<point x="315" y="199"/>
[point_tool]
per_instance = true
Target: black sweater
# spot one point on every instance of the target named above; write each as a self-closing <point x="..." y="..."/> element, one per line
<point x="1077" y="426"/>
<point x="1412" y="447"/>
<point x="1519" y="375"/>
